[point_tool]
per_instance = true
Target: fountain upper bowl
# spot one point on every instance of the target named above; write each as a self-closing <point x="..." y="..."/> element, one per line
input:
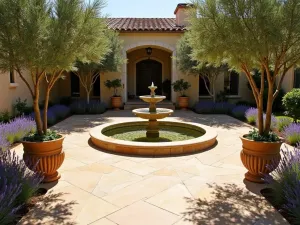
<point x="150" y="99"/>
<point x="160" y="113"/>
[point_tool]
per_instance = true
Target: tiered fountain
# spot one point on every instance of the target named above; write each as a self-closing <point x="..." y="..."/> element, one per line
<point x="152" y="137"/>
<point x="153" y="113"/>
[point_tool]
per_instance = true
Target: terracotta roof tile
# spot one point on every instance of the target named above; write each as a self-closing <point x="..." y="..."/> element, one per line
<point x="145" y="24"/>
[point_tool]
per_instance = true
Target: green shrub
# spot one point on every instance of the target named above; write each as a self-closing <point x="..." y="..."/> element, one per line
<point x="181" y="86"/>
<point x="4" y="117"/>
<point x="291" y="102"/>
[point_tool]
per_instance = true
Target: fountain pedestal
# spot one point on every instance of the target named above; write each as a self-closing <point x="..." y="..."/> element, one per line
<point x="152" y="129"/>
<point x="152" y="114"/>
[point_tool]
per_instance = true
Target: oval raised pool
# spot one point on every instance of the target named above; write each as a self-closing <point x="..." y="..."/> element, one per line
<point x="174" y="138"/>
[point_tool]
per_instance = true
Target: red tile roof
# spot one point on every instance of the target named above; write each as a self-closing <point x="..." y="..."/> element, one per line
<point x="144" y="24"/>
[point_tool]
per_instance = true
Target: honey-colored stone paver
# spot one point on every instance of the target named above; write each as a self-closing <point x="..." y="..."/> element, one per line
<point x="142" y="213"/>
<point x="99" y="188"/>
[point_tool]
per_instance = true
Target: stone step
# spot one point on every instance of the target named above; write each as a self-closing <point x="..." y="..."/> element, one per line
<point x="136" y="105"/>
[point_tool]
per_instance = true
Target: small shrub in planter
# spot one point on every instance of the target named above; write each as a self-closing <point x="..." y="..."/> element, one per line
<point x="283" y="122"/>
<point x="181" y="86"/>
<point x="17" y="185"/>
<point x="239" y="111"/>
<point x="284" y="182"/>
<point x="114" y="84"/>
<point x="291" y="102"/>
<point x="251" y="115"/>
<point x="60" y="111"/>
<point x="291" y="133"/>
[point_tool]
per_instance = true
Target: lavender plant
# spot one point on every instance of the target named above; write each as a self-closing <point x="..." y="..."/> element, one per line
<point x="60" y="111"/>
<point x="17" y="184"/>
<point x="3" y="143"/>
<point x="251" y="115"/>
<point x="239" y="111"/>
<point x="204" y="107"/>
<point x="291" y="133"/>
<point x="292" y="196"/>
<point x="282" y="179"/>
<point x="223" y="107"/>
<point x="283" y="122"/>
<point x="17" y="129"/>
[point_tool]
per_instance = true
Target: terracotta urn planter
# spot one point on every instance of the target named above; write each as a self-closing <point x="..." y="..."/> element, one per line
<point x="256" y="155"/>
<point x="183" y="102"/>
<point x="48" y="154"/>
<point x="116" y="102"/>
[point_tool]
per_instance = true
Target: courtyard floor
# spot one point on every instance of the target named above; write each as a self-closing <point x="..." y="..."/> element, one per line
<point x="100" y="188"/>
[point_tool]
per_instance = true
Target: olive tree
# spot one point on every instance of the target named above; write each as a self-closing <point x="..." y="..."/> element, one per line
<point x="207" y="72"/>
<point x="109" y="60"/>
<point x="249" y="34"/>
<point x="44" y="38"/>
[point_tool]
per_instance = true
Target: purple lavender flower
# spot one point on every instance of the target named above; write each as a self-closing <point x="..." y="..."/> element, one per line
<point x="283" y="122"/>
<point x="223" y="107"/>
<point x="204" y="107"/>
<point x="17" y="185"/>
<point x="251" y="115"/>
<point x="17" y="129"/>
<point x="60" y="111"/>
<point x="292" y="196"/>
<point x="282" y="177"/>
<point x="291" y="133"/>
<point x="239" y="111"/>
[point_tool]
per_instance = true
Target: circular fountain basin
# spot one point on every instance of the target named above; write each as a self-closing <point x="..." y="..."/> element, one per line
<point x="150" y="99"/>
<point x="159" y="114"/>
<point x="202" y="138"/>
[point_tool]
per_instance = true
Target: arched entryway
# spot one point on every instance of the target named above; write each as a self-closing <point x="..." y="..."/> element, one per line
<point x="148" y="71"/>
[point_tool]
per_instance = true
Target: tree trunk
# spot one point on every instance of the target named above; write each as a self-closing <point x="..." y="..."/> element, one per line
<point x="214" y="92"/>
<point x="260" y="117"/>
<point x="269" y="110"/>
<point x="37" y="115"/>
<point x="45" y="117"/>
<point x="88" y="97"/>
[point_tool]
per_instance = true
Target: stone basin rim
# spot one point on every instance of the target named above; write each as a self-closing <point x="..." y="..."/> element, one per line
<point x="111" y="144"/>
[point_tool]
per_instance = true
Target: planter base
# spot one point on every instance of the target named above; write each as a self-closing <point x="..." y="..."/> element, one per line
<point x="253" y="178"/>
<point x="52" y="177"/>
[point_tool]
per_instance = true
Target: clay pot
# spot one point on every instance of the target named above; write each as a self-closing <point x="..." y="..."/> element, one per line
<point x="49" y="156"/>
<point x="256" y="155"/>
<point x="116" y="102"/>
<point x="183" y="102"/>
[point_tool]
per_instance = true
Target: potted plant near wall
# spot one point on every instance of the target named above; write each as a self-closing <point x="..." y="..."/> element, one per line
<point x="40" y="57"/>
<point x="247" y="45"/>
<point x="116" y="100"/>
<point x="181" y="86"/>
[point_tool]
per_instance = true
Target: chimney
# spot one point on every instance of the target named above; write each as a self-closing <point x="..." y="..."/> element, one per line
<point x="181" y="14"/>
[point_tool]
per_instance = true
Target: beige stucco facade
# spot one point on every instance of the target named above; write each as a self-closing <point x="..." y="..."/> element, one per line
<point x="163" y="44"/>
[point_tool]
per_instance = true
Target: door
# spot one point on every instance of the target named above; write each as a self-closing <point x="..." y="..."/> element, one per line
<point x="148" y="71"/>
<point x="75" y="85"/>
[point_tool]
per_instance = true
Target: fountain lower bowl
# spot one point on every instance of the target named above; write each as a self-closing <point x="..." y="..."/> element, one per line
<point x="159" y="114"/>
<point x="205" y="140"/>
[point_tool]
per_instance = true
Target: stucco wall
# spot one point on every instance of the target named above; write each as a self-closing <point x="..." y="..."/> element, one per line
<point x="10" y="93"/>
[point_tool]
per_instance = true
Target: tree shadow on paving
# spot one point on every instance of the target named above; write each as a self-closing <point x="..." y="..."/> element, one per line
<point x="230" y="204"/>
<point x="51" y="209"/>
<point x="80" y="123"/>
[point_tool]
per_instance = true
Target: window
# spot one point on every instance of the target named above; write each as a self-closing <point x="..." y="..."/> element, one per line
<point x="202" y="88"/>
<point x="297" y="78"/>
<point x="96" y="87"/>
<point x="75" y="85"/>
<point x="231" y="83"/>
<point x="12" y="76"/>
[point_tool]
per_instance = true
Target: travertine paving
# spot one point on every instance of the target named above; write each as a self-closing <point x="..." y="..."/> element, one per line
<point x="100" y="188"/>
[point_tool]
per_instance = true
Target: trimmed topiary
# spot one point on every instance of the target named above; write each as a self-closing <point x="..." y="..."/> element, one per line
<point x="291" y="102"/>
